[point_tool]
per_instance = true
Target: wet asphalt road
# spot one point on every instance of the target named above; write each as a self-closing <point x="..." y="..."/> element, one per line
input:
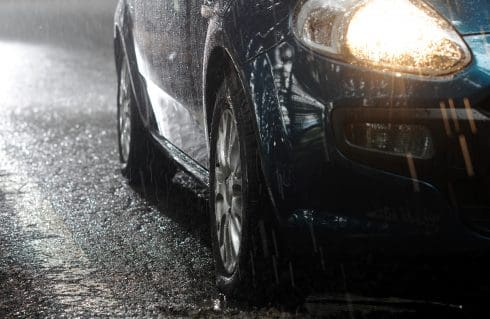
<point x="75" y="239"/>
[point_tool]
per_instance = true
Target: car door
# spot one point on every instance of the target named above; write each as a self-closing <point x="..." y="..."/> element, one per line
<point x="169" y="43"/>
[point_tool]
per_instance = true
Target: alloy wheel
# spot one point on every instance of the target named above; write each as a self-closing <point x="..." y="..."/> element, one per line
<point x="228" y="191"/>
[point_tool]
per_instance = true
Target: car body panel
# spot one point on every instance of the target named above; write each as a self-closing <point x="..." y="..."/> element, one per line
<point x="257" y="38"/>
<point x="297" y="95"/>
<point x="164" y="35"/>
<point x="468" y="16"/>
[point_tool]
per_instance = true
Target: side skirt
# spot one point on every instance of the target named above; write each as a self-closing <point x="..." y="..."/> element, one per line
<point x="183" y="160"/>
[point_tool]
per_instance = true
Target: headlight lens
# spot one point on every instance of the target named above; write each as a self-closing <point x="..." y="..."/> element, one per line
<point x="399" y="35"/>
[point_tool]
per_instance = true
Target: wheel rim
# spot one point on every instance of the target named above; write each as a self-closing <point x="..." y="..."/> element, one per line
<point x="228" y="192"/>
<point x="124" y="120"/>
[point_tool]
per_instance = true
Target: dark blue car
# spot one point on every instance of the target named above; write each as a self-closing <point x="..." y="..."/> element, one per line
<point x="343" y="125"/>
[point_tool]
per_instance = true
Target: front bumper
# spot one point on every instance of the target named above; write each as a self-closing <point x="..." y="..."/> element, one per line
<point x="336" y="193"/>
<point x="460" y="168"/>
<point x="371" y="200"/>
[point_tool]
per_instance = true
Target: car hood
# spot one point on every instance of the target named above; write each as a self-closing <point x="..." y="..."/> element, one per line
<point x="468" y="16"/>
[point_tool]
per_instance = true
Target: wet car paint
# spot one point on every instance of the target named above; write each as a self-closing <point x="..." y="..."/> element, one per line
<point x="469" y="17"/>
<point x="295" y="93"/>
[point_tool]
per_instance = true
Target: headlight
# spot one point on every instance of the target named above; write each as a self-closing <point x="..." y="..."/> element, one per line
<point x="398" y="35"/>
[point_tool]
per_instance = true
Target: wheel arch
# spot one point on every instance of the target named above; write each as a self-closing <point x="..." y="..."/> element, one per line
<point x="220" y="63"/>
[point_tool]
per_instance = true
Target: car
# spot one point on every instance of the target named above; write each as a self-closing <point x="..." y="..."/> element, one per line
<point x="321" y="125"/>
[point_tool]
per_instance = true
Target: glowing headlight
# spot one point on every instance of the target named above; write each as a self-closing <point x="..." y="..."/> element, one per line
<point x="399" y="35"/>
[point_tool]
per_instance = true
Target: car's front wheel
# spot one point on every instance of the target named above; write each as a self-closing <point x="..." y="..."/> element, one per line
<point x="235" y="194"/>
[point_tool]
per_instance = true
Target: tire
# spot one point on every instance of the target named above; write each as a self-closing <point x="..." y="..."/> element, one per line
<point x="243" y="181"/>
<point x="132" y="137"/>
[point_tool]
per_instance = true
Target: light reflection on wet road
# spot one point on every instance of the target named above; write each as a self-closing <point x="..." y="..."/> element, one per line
<point x="67" y="271"/>
<point x="89" y="243"/>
